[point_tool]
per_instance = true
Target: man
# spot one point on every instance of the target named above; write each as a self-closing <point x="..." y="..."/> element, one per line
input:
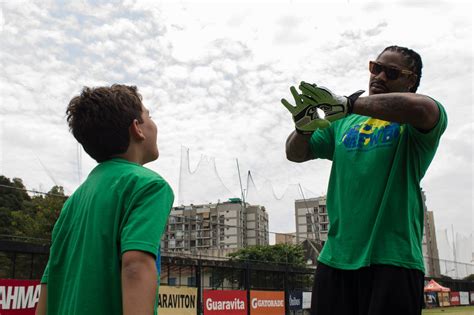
<point x="104" y="244"/>
<point x="381" y="146"/>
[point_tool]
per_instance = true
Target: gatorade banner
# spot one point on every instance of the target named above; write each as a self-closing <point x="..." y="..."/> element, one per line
<point x="177" y="300"/>
<point x="464" y="297"/>
<point x="19" y="297"/>
<point x="454" y="298"/>
<point x="267" y="302"/>
<point x="232" y="302"/>
<point x="295" y="300"/>
<point x="306" y="300"/>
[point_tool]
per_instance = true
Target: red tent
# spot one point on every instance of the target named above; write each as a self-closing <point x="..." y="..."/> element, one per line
<point x="434" y="286"/>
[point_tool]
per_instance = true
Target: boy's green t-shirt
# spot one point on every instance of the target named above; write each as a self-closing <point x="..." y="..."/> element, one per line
<point x="122" y="206"/>
<point x="374" y="199"/>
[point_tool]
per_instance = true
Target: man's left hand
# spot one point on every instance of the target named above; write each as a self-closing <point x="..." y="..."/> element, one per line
<point x="334" y="106"/>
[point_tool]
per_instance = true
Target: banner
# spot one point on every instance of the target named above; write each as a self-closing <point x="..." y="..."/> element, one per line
<point x="464" y="296"/>
<point x="232" y="302"/>
<point x="431" y="299"/>
<point x="177" y="300"/>
<point x="19" y="297"/>
<point x="295" y="300"/>
<point x="454" y="298"/>
<point x="306" y="300"/>
<point x="267" y="302"/>
<point x="443" y="298"/>
<point x="472" y="297"/>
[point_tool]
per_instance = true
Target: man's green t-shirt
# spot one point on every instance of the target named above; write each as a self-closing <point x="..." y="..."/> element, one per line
<point x="374" y="199"/>
<point x="122" y="206"/>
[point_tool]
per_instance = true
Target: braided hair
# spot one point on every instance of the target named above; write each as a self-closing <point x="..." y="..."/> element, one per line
<point x="413" y="60"/>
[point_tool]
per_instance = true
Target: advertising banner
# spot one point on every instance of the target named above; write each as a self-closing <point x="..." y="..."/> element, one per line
<point x="454" y="298"/>
<point x="267" y="302"/>
<point x="464" y="297"/>
<point x="19" y="297"/>
<point x="295" y="300"/>
<point x="232" y="302"/>
<point x="472" y="297"/>
<point x="306" y="300"/>
<point x="177" y="300"/>
<point x="431" y="299"/>
<point x="443" y="298"/>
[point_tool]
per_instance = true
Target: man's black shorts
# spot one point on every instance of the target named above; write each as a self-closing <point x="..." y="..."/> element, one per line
<point x="374" y="290"/>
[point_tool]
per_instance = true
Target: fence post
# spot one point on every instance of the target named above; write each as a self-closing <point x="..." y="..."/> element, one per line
<point x="247" y="285"/>
<point x="199" y="287"/>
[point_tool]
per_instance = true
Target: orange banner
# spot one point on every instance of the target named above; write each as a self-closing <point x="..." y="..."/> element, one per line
<point x="267" y="302"/>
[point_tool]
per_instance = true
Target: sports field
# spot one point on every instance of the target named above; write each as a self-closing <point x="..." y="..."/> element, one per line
<point x="458" y="310"/>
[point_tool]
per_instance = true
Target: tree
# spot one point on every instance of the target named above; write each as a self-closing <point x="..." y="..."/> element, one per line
<point x="12" y="193"/>
<point x="470" y="277"/>
<point x="279" y="254"/>
<point x="25" y="216"/>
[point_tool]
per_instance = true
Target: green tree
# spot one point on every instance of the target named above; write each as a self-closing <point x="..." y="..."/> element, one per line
<point x="279" y="254"/>
<point x="470" y="277"/>
<point x="25" y="216"/>
<point x="38" y="219"/>
<point x="12" y="193"/>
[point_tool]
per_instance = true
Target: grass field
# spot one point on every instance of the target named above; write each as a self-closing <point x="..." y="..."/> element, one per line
<point x="458" y="310"/>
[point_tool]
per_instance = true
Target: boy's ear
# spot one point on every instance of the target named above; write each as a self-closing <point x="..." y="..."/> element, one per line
<point x="135" y="131"/>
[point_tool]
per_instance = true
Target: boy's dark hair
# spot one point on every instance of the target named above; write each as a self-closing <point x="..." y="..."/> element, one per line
<point x="413" y="61"/>
<point x="100" y="118"/>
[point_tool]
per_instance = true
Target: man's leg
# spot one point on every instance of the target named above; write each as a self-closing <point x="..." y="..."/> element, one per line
<point x="333" y="292"/>
<point x="396" y="290"/>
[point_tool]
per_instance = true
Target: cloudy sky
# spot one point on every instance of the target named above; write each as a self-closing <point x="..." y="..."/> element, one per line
<point x="213" y="74"/>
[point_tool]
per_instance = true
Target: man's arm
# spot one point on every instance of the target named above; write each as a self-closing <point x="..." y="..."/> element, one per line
<point x="139" y="283"/>
<point x="417" y="110"/>
<point x="41" y="307"/>
<point x="297" y="147"/>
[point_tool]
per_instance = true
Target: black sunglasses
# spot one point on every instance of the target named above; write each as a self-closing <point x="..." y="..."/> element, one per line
<point x="390" y="72"/>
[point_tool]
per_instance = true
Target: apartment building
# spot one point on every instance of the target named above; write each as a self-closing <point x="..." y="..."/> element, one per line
<point x="429" y="243"/>
<point x="312" y="220"/>
<point x="285" y="238"/>
<point x="215" y="229"/>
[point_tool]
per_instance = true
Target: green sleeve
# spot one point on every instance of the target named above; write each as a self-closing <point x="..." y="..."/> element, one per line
<point x="146" y="217"/>
<point x="322" y="143"/>
<point x="44" y="278"/>
<point x="426" y="141"/>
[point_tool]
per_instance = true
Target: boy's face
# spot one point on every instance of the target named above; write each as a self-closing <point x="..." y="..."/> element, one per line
<point x="150" y="130"/>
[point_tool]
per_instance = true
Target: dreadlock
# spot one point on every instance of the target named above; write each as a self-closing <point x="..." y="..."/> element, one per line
<point x="413" y="59"/>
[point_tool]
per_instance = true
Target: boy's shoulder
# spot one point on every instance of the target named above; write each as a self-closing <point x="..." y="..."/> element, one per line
<point x="123" y="173"/>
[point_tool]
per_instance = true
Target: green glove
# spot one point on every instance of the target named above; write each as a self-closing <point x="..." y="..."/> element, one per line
<point x="305" y="114"/>
<point x="334" y="106"/>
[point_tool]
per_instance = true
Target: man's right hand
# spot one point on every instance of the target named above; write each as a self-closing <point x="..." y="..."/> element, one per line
<point x="305" y="114"/>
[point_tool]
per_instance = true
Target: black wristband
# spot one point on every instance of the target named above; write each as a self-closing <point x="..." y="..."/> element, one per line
<point x="351" y="100"/>
<point x="303" y="132"/>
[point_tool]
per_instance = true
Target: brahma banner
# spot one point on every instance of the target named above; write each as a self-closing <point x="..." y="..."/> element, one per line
<point x="223" y="302"/>
<point x="267" y="302"/>
<point x="19" y="297"/>
<point x="176" y="300"/>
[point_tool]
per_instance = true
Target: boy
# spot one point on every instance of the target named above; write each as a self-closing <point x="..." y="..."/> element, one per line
<point x="104" y="244"/>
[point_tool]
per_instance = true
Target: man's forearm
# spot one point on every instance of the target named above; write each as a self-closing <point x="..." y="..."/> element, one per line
<point x="417" y="110"/>
<point x="297" y="147"/>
